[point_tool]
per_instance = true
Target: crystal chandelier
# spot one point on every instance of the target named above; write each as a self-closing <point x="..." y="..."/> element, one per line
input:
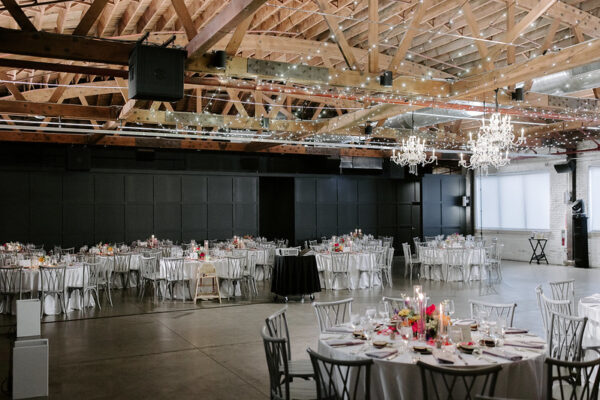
<point x="493" y="142"/>
<point x="500" y="131"/>
<point x="412" y="153"/>
<point x="484" y="153"/>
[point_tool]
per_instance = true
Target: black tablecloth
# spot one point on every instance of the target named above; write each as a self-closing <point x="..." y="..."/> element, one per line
<point x="295" y="275"/>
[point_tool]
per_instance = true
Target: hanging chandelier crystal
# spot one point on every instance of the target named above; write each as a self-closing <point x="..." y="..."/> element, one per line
<point x="485" y="153"/>
<point x="494" y="140"/>
<point x="412" y="153"/>
<point x="500" y="131"/>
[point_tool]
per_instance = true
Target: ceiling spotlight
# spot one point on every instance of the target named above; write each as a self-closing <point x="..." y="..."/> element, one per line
<point x="219" y="59"/>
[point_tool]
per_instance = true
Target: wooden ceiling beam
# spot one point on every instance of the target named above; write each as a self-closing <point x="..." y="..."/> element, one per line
<point x="184" y="17"/>
<point x="475" y="32"/>
<point x="567" y="58"/>
<point x="410" y="33"/>
<point x="90" y="17"/>
<point x="220" y="25"/>
<point x="19" y="15"/>
<point x="12" y="88"/>
<point x="238" y="35"/>
<point x="337" y="33"/>
<point x="509" y="37"/>
<point x="184" y="144"/>
<point x="73" y="111"/>
<point x="373" y="41"/>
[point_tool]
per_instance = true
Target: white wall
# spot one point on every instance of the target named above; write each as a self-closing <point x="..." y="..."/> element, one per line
<point x="516" y="243"/>
<point x="584" y="161"/>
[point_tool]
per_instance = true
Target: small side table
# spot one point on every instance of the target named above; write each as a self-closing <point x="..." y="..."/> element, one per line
<point x="538" y="246"/>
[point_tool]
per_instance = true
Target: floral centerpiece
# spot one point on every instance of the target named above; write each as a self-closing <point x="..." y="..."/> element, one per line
<point x="338" y="248"/>
<point x="201" y="254"/>
<point x="408" y="316"/>
<point x="12" y="246"/>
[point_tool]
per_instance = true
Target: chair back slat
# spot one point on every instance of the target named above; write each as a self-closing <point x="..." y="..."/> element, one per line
<point x="277" y="363"/>
<point x="573" y="380"/>
<point x="278" y="327"/>
<point x="566" y="336"/>
<point x="53" y="279"/>
<point x="442" y="383"/>
<point x="495" y="310"/>
<point x="341" y="379"/>
<point x="339" y="262"/>
<point x="332" y="313"/>
<point x="10" y="280"/>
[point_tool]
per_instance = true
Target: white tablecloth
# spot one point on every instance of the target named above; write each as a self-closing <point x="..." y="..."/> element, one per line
<point x="356" y="262"/>
<point x="590" y="307"/>
<point x="189" y="273"/>
<point x="400" y="378"/>
<point x="32" y="283"/>
<point x="455" y="275"/>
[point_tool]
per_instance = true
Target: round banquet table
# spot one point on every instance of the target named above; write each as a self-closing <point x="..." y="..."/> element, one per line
<point x="590" y="307"/>
<point x="31" y="282"/>
<point x="356" y="262"/>
<point x="400" y="378"/>
<point x="439" y="257"/>
<point x="295" y="275"/>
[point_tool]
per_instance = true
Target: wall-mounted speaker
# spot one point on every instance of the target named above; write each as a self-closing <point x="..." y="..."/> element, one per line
<point x="156" y="73"/>
<point x="564" y="168"/>
<point x="79" y="159"/>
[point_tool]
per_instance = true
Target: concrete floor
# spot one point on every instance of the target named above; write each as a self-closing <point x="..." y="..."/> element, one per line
<point x="207" y="351"/>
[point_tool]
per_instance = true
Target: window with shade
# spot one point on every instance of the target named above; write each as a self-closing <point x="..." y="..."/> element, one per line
<point x="513" y="201"/>
<point x="594" y="199"/>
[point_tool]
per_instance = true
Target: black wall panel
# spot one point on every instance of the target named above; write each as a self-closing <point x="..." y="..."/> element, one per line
<point x="338" y="205"/>
<point x="75" y="208"/>
<point x="443" y="213"/>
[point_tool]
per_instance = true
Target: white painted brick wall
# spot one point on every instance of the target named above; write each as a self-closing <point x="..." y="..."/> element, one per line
<point x="584" y="161"/>
<point x="516" y="243"/>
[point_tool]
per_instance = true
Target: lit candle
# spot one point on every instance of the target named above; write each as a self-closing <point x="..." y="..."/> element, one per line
<point x="461" y="156"/>
<point x="441" y="319"/>
<point x="470" y="135"/>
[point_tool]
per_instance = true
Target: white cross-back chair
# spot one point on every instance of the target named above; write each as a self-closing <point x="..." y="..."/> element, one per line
<point x="332" y="313"/>
<point x="563" y="290"/>
<point x="340" y="268"/>
<point x="548" y="306"/>
<point x="495" y="310"/>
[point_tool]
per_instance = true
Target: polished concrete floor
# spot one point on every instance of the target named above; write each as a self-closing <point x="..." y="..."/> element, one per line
<point x="210" y="351"/>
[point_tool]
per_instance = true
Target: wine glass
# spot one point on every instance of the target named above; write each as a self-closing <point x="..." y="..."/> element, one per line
<point x="450" y="307"/>
<point x="382" y="311"/>
<point x="370" y="313"/>
<point x="483" y="317"/>
<point x="355" y="320"/>
<point x="406" y="334"/>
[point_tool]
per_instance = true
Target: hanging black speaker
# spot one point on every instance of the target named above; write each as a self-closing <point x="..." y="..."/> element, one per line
<point x="567" y="167"/>
<point x="156" y="73"/>
<point x="386" y="78"/>
<point x="517" y="94"/>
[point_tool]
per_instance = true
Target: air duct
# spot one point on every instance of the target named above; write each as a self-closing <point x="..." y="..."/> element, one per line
<point x="428" y="116"/>
<point x="573" y="80"/>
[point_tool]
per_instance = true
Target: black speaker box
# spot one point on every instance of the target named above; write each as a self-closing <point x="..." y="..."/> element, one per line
<point x="79" y="159"/>
<point x="156" y="73"/>
<point x="580" y="241"/>
<point x="563" y="168"/>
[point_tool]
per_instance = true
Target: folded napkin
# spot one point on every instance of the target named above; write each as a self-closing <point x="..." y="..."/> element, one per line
<point x="381" y="353"/>
<point x="464" y="322"/>
<point x="443" y="357"/>
<point x="344" y="342"/>
<point x="502" y="354"/>
<point x="595" y="299"/>
<point x="514" y="331"/>
<point x="340" y="329"/>
<point x="527" y="345"/>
